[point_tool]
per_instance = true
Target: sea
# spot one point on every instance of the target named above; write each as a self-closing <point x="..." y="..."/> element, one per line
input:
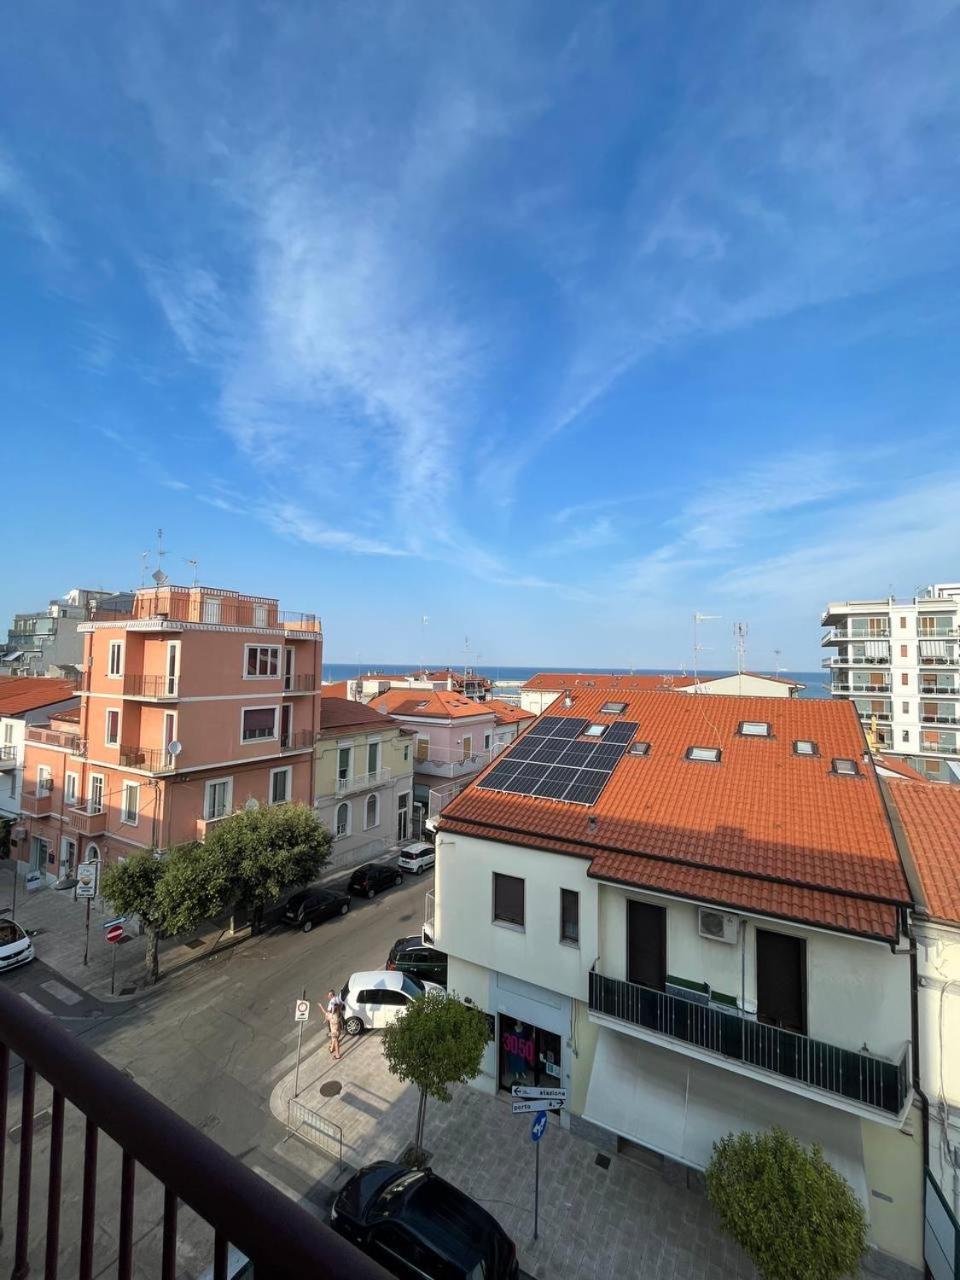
<point x="814" y="681"/>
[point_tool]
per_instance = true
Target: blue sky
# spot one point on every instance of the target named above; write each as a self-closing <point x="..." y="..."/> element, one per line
<point x="554" y="323"/>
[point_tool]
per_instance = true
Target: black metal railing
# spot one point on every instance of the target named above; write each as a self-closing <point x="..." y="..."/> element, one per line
<point x="305" y="683"/>
<point x="282" y="1240"/>
<point x="861" y="1077"/>
<point x="150" y="759"/>
<point x="297" y="741"/>
<point x="150" y="686"/>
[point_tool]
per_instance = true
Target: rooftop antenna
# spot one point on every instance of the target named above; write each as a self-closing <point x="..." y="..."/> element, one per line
<point x="740" y="630"/>
<point x="777" y="665"/>
<point x="193" y="565"/>
<point x="144" y="557"/>
<point x="466" y="656"/>
<point x="423" y="634"/>
<point x="698" y="648"/>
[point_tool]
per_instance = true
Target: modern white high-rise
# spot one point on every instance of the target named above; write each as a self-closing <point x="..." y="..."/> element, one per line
<point x="899" y="662"/>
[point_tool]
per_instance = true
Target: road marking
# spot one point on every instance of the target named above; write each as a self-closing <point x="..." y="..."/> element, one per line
<point x="36" y="1003"/>
<point x="276" y="1182"/>
<point x="60" y="992"/>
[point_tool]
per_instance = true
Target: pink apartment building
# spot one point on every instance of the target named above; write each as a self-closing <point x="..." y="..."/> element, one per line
<point x="196" y="703"/>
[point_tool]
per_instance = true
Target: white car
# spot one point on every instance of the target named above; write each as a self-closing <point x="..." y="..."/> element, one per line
<point x="417" y="858"/>
<point x="15" y="947"/>
<point x="373" y="999"/>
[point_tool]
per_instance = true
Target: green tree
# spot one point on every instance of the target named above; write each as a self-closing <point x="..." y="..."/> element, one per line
<point x="435" y="1042"/>
<point x="256" y="854"/>
<point x="791" y="1211"/>
<point x="131" y="887"/>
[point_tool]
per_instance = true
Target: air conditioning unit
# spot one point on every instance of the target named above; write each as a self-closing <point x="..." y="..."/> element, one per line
<point x="718" y="926"/>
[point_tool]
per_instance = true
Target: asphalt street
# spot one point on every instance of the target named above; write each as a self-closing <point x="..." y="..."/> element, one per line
<point x="211" y="1042"/>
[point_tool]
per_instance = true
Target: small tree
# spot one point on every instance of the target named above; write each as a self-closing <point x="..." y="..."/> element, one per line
<point x="190" y="890"/>
<point x="254" y="855"/>
<point x="791" y="1211"/>
<point x="131" y="887"/>
<point x="435" y="1042"/>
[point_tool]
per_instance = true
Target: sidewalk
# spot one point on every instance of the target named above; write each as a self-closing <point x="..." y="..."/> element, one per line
<point x="596" y="1222"/>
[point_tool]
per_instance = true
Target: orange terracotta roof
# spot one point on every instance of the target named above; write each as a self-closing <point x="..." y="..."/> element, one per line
<point x="431" y="703"/>
<point x="900" y="767"/>
<point x="30" y="693"/>
<point x="342" y="713"/>
<point x="554" y="682"/>
<point x="506" y="712"/>
<point x="744" y="831"/>
<point x="931" y="820"/>
<point x="760" y="675"/>
<point x="336" y="690"/>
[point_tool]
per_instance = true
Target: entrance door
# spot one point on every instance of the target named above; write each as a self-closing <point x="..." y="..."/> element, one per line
<point x="173" y="667"/>
<point x="781" y="981"/>
<point x="646" y="945"/>
<point x="286" y="734"/>
<point x="68" y="856"/>
<point x="96" y="793"/>
<point x="288" y="668"/>
<point x="403" y="803"/>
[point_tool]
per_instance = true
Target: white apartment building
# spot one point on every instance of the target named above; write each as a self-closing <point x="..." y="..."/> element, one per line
<point x="899" y="663"/>
<point x="696" y="925"/>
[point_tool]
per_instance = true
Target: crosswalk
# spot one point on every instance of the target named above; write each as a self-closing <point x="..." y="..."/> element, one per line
<point x="38" y="986"/>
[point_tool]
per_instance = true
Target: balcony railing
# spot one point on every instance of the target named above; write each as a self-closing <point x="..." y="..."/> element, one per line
<point x="940" y="719"/>
<point x="940" y="748"/>
<point x="171" y="605"/>
<point x="53" y="738"/>
<point x="882" y="717"/>
<point x="944" y="633"/>
<point x="859" y="1077"/>
<point x="300" y="684"/>
<point x="440" y="797"/>
<point x="157" y="688"/>
<point x="8" y="755"/>
<point x="205" y="824"/>
<point x="149" y="759"/>
<point x="37" y="803"/>
<point x="452" y="762"/>
<point x="88" y="819"/>
<point x="363" y="781"/>
<point x="859" y="688"/>
<point x="857" y="661"/>
<point x="158" y="1152"/>
<point x="297" y="741"/>
<point x="944" y="660"/>
<point x="838" y="635"/>
<point x="939" y="690"/>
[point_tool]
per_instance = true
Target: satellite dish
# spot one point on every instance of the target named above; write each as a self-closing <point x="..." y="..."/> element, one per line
<point x="174" y="748"/>
<point x="252" y="804"/>
<point x="159" y="577"/>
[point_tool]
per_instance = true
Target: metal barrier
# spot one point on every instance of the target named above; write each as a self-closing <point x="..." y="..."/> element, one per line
<point x="320" y="1129"/>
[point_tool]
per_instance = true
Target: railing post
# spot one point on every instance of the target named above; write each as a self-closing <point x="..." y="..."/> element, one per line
<point x="21" y="1264"/>
<point x="88" y="1210"/>
<point x="4" y="1082"/>
<point x="53" y="1189"/>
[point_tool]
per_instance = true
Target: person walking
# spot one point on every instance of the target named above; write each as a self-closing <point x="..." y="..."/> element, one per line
<point x="334" y="1016"/>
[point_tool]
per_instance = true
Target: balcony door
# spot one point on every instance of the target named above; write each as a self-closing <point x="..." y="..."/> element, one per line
<point x="781" y="981"/>
<point x="646" y="945"/>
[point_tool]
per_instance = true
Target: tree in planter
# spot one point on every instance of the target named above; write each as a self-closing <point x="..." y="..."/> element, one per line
<point x="437" y="1041"/>
<point x="788" y="1208"/>
<point x="254" y="855"/>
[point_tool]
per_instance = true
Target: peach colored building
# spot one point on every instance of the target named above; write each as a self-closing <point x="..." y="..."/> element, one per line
<point x="196" y="703"/>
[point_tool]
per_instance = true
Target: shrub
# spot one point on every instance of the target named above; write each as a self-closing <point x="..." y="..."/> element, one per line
<point x="788" y="1208"/>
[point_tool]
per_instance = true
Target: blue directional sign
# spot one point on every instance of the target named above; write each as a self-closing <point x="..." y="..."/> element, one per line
<point x="539" y="1126"/>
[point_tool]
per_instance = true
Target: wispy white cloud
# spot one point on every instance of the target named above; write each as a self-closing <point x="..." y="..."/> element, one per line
<point x="601" y="532"/>
<point x="19" y="194"/>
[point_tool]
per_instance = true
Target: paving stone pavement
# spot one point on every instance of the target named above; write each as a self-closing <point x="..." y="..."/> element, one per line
<point x="595" y="1223"/>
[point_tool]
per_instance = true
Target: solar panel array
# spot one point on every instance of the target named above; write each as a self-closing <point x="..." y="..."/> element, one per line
<point x="548" y="761"/>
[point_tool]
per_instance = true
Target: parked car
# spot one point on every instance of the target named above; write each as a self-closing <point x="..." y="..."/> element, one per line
<point x="413" y="956"/>
<point x="313" y="906"/>
<point x="373" y="999"/>
<point x="418" y="857"/>
<point x="372" y="877"/>
<point x="416" y="1224"/>
<point x="15" y="947"/>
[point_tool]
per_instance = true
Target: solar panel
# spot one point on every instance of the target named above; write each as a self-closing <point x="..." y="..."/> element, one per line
<point x="543" y="727"/>
<point x="527" y="750"/>
<point x="578" y="753"/>
<point x="607" y="757"/>
<point x="554" y="789"/>
<point x="621" y="732"/>
<point x="526" y="785"/>
<point x="586" y="789"/>
<point x="569" y="727"/>
<point x="549" y="751"/>
<point x="498" y="775"/>
<point x="549" y="763"/>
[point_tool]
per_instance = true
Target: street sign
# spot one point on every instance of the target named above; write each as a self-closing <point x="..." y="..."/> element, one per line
<point x="87" y="879"/>
<point x="108" y="924"/>
<point x="538" y="1128"/>
<point x="114" y="933"/>
<point x="301" y="1011"/>
<point x="531" y="1091"/>
<point x="528" y="1107"/>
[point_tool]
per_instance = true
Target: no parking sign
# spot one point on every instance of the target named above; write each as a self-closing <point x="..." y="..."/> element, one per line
<point x="301" y="1011"/>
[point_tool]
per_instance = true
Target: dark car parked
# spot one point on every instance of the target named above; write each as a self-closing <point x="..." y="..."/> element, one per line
<point x="372" y="877"/>
<point x="415" y="1224"/>
<point x="311" y="906"/>
<point x="411" y="955"/>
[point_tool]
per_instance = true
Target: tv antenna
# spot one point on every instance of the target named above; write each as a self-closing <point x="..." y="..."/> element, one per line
<point x="698" y="648"/>
<point x="777" y="666"/>
<point x="423" y="633"/>
<point x="193" y="566"/>
<point x="740" y="631"/>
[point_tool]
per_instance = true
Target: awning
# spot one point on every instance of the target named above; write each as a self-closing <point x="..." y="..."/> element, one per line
<point x="680" y="1107"/>
<point x="876" y="649"/>
<point x="933" y="648"/>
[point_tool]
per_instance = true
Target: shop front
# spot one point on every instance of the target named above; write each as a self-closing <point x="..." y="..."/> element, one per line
<point x="528" y="1055"/>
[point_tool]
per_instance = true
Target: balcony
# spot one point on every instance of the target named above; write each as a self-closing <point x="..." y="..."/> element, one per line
<point x="444" y="762"/>
<point x="159" y="1164"/>
<point x="440" y="797"/>
<point x="865" y="689"/>
<point x="940" y="660"/>
<point x="87" y="820"/>
<point x="838" y="635"/>
<point x="147" y="759"/>
<point x="300" y="684"/>
<point x="940" y="748"/>
<point x="8" y="756"/>
<point x="842" y="1076"/>
<point x="941" y="633"/>
<point x="951" y="719"/>
<point x="301" y="740"/>
<point x="882" y="660"/>
<point x="37" y="803"/>
<point x="152" y="688"/>
<point x="54" y="738"/>
<point x="204" y="825"/>
<point x="363" y="782"/>
<point x="881" y="717"/>
<point x="939" y="690"/>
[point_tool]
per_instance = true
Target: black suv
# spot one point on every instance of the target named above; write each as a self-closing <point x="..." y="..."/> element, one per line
<point x="415" y="1224"/>
<point x="311" y="906"/>
<point x="371" y="878"/>
<point x="413" y="956"/>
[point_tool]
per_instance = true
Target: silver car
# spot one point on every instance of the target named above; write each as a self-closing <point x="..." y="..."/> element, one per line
<point x="15" y="947"/>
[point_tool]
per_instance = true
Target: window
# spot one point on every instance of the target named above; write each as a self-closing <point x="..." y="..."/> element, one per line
<point x="115" y="658"/>
<point x="711" y="754"/>
<point x="486" y="742"/>
<point x="259" y="615"/>
<point x="217" y="799"/>
<point x="169" y="728"/>
<point x="467" y="746"/>
<point x="44" y="778"/>
<point x="754" y="729"/>
<point x="847" y="768"/>
<point x="343" y="820"/>
<point x="95" y="800"/>
<point x="262" y="661"/>
<point x="508" y="899"/>
<point x="805" y="747"/>
<point x="903" y="624"/>
<point x="903" y="651"/>
<point x="112" y="736"/>
<point x="371" y="812"/>
<point x="423" y="748"/>
<point x="211" y="610"/>
<point x="904" y="677"/>
<point x="639" y="748"/>
<point x="259" y="722"/>
<point x="406" y="753"/>
<point x="373" y="757"/>
<point x="904" y="735"/>
<point x="613" y="708"/>
<point x="71" y="785"/>
<point x="343" y="764"/>
<point x="130" y="807"/>
<point x="595" y="731"/>
<point x="570" y="917"/>
<point x="288" y="660"/>
<point x="905" y="708"/>
<point x="280" y="785"/>
<point x="8" y="733"/>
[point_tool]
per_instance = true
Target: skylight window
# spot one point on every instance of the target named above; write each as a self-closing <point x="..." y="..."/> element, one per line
<point x="613" y="708"/>
<point x="639" y="749"/>
<point x="754" y="729"/>
<point x="710" y="754"/>
<point x="848" y="768"/>
<point x="804" y="747"/>
<point x="594" y="731"/>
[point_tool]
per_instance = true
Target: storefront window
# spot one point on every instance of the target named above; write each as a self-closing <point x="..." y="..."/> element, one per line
<point x="528" y="1055"/>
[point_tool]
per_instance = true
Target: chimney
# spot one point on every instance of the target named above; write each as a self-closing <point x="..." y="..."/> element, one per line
<point x="567" y="700"/>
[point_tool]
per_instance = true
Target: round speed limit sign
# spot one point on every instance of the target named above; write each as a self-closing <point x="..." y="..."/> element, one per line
<point x="301" y="1011"/>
